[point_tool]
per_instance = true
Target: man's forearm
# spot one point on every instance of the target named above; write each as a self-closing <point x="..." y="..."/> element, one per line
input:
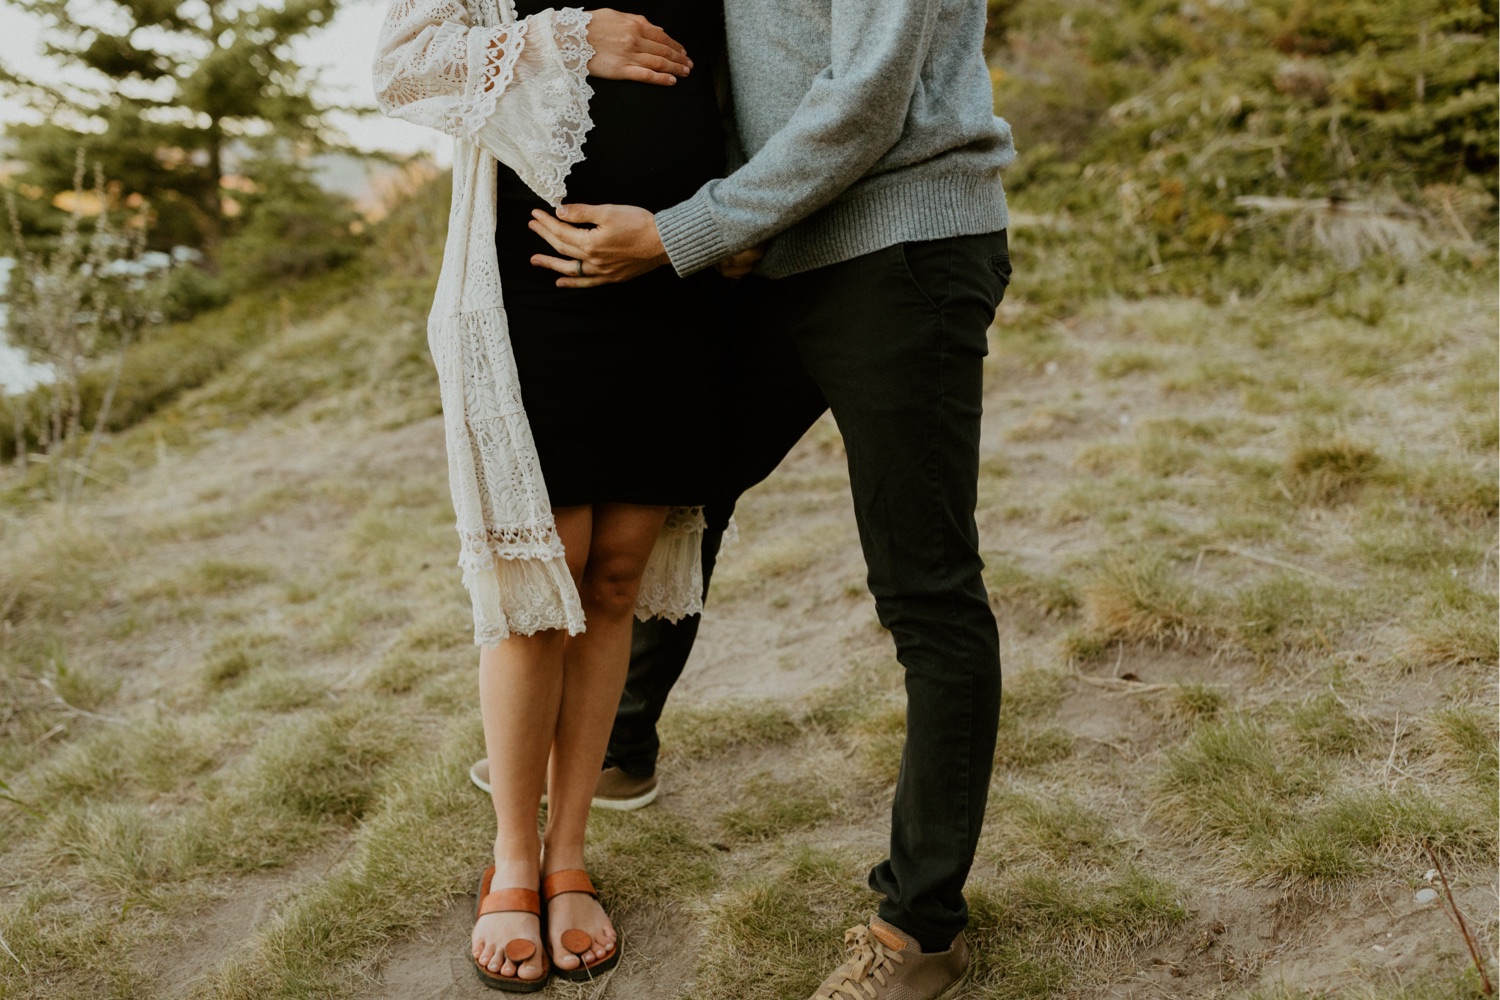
<point x="853" y="113"/>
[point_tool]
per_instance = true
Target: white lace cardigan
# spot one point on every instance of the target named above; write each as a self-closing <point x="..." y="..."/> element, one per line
<point x="513" y="91"/>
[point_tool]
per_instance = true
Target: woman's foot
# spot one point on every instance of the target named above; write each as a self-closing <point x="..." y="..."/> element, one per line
<point x="577" y="911"/>
<point x="494" y="931"/>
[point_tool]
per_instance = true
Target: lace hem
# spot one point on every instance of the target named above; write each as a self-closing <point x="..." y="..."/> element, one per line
<point x="518" y="580"/>
<point x="522" y="597"/>
<point x="672" y="586"/>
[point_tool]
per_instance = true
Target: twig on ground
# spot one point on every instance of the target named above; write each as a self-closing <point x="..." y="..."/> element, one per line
<point x="1120" y="685"/>
<point x="1124" y="685"/>
<point x="1269" y="561"/>
<point x="59" y="728"/>
<point x="1458" y="918"/>
<point x="13" y="955"/>
<point x="1118" y="748"/>
<point x="46" y="682"/>
<point x="1390" y="760"/>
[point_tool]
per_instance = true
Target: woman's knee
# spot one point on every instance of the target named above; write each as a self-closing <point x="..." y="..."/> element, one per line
<point x="610" y="590"/>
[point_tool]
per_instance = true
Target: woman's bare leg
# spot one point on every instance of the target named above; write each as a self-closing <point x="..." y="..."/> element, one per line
<point x="520" y="690"/>
<point x="594" y="666"/>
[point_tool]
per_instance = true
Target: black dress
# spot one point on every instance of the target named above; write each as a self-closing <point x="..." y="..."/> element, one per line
<point x="620" y="381"/>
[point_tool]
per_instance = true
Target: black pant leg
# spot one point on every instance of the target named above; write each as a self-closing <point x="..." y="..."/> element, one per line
<point x="769" y="402"/>
<point x="659" y="651"/>
<point x="896" y="340"/>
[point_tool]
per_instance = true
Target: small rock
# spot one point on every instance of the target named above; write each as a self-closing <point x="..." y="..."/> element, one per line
<point x="1425" y="896"/>
<point x="1431" y="874"/>
<point x="1377" y="947"/>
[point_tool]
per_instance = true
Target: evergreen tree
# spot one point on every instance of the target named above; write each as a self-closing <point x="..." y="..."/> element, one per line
<point x="173" y="84"/>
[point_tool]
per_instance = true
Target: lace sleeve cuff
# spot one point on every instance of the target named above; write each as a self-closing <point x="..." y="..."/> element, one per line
<point x="539" y="128"/>
<point x="492" y="58"/>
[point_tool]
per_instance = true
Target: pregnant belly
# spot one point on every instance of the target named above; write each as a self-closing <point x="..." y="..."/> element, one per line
<point x="650" y="146"/>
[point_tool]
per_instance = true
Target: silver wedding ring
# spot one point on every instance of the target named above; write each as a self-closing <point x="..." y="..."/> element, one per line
<point x="580" y="268"/>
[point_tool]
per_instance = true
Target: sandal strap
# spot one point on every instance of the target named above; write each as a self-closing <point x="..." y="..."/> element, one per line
<point x="568" y="880"/>
<point x="511" y="901"/>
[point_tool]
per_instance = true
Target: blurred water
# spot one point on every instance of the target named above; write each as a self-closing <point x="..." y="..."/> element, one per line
<point x="17" y="372"/>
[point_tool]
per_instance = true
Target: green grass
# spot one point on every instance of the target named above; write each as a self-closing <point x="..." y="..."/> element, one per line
<point x="777" y="932"/>
<point x="771" y="809"/>
<point x="691" y="733"/>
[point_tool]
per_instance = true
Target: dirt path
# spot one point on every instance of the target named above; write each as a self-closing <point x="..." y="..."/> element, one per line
<point x="790" y="614"/>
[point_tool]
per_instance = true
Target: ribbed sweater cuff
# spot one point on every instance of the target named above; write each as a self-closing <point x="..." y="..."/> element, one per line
<point x="690" y="236"/>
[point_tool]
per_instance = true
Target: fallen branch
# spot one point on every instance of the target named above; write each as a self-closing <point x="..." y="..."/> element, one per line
<point x="1458" y="918"/>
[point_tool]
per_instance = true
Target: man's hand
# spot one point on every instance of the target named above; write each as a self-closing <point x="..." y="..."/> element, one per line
<point x="622" y="244"/>
<point x="738" y="265"/>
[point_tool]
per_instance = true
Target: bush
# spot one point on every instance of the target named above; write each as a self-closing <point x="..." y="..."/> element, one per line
<point x="1159" y="115"/>
<point x="289" y="228"/>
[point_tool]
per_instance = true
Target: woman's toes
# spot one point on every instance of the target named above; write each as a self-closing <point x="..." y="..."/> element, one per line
<point x="531" y="970"/>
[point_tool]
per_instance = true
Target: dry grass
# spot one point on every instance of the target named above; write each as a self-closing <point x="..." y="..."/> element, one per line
<point x="1242" y="555"/>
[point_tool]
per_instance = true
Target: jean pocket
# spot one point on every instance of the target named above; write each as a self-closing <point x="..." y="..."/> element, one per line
<point x="1000" y="268"/>
<point x="928" y="265"/>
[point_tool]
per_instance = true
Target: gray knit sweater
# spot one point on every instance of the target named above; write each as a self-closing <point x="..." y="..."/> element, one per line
<point x="866" y="122"/>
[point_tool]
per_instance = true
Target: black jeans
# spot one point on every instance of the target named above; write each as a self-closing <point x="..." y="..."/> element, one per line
<point x="894" y="342"/>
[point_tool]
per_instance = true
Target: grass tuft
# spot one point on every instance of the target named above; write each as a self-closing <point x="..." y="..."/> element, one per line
<point x="1228" y="779"/>
<point x="1469" y="739"/>
<point x="1324" y="724"/>
<point x="1138" y="599"/>
<point x="326" y="764"/>
<point x="770" y="809"/>
<point x="689" y="733"/>
<point x="1038" y="932"/>
<point x="235" y="656"/>
<point x="774" y="935"/>
<point x="1327" y="473"/>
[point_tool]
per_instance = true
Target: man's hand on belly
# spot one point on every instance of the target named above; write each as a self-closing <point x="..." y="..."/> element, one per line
<point x="622" y="244"/>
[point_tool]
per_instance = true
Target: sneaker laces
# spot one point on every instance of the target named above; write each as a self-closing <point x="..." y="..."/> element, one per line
<point x="868" y="965"/>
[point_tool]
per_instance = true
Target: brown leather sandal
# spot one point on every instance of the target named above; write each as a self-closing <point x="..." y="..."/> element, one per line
<point x="518" y="950"/>
<point x="574" y="940"/>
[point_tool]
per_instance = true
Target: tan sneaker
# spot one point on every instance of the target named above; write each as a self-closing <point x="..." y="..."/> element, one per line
<point x="886" y="963"/>
<point x="616" y="789"/>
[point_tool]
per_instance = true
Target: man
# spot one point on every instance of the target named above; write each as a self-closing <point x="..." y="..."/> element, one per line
<point x="873" y="169"/>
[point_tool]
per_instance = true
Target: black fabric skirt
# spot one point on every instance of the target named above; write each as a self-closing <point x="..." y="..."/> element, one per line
<point x="621" y="389"/>
<point x="621" y="382"/>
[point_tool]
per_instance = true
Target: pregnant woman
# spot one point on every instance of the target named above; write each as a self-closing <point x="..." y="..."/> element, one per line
<point x="580" y="437"/>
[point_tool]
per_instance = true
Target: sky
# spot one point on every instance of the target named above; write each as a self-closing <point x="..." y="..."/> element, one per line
<point x="340" y="53"/>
